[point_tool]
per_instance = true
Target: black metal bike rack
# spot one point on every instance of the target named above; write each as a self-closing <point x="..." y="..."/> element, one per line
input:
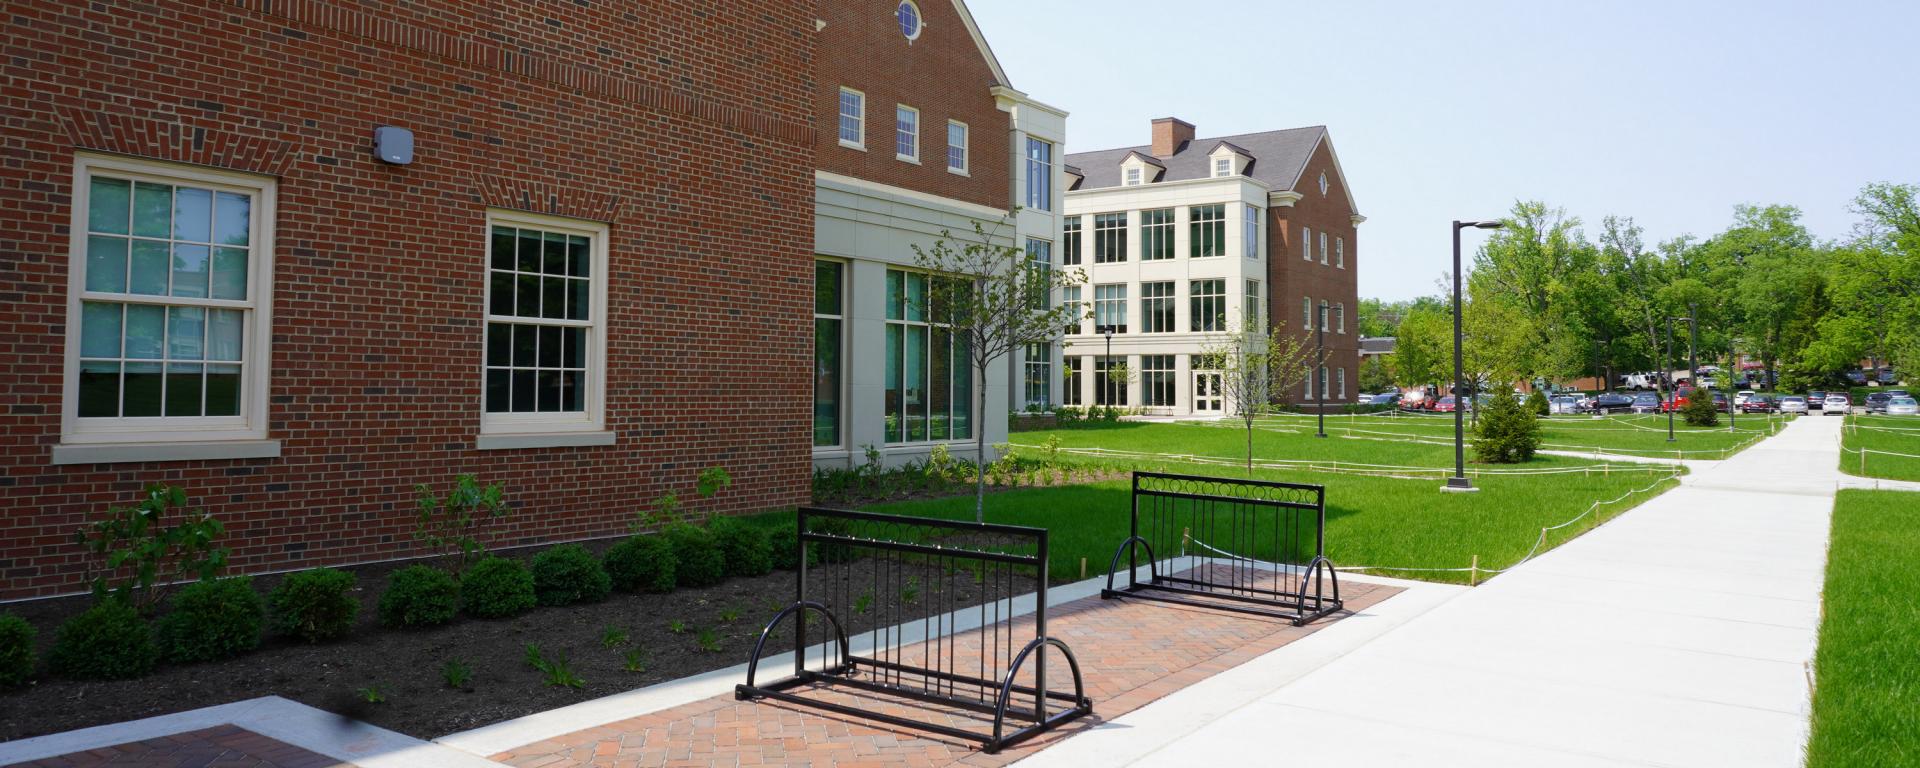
<point x="1248" y="546"/>
<point x="939" y="597"/>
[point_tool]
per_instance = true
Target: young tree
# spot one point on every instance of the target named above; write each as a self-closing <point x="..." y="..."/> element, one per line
<point x="1254" y="364"/>
<point x="997" y="300"/>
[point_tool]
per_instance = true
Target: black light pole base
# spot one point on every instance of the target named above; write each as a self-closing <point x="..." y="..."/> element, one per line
<point x="1458" y="485"/>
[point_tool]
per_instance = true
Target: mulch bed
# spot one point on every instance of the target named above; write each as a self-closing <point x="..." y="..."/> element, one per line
<point x="405" y="665"/>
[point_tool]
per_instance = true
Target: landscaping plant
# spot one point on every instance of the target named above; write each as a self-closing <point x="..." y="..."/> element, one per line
<point x="557" y="670"/>
<point x="450" y="524"/>
<point x="315" y="605"/>
<point x="1254" y="364"/>
<point x="137" y="553"/>
<point x="456" y="673"/>
<point x="1699" y="410"/>
<point x="1537" y="404"/>
<point x="497" y="587"/>
<point x="634" y="660"/>
<point x="707" y="640"/>
<point x="108" y="642"/>
<point x="642" y="563"/>
<point x="419" y="596"/>
<point x="569" y="574"/>
<point x="16" y="650"/>
<point x="612" y="636"/>
<point x="212" y="620"/>
<point x="743" y="547"/>
<point x="1507" y="433"/>
<point x="698" y="561"/>
<point x="783" y="546"/>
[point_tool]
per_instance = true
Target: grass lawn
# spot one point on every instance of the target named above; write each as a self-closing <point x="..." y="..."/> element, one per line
<point x="1884" y="438"/>
<point x="1866" y="702"/>
<point x="1373" y="521"/>
<point x="1637" y="435"/>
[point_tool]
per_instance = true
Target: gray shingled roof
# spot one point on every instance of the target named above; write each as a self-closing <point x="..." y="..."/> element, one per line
<point x="1278" y="157"/>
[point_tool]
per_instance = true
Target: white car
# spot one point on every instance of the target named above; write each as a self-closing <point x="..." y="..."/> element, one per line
<point x="1793" y="404"/>
<point x="1743" y="397"/>
<point x="1903" y="406"/>
<point x="1562" y="404"/>
<point x="1836" y="404"/>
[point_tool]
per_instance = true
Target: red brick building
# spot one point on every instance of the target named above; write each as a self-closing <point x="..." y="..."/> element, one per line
<point x="591" y="279"/>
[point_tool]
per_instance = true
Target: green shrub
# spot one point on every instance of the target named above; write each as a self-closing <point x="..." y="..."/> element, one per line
<point x="698" y="561"/>
<point x="108" y="642"/>
<point x="451" y="524"/>
<point x="419" y="596"/>
<point x="642" y="563"/>
<point x="1537" y="404"/>
<point x="569" y="574"/>
<point x="315" y="605"/>
<point x="496" y="587"/>
<point x="1699" y="410"/>
<point x="784" y="545"/>
<point x="1508" y="433"/>
<point x="139" y="554"/>
<point x="744" y="547"/>
<point x="212" y="620"/>
<point x="16" y="650"/>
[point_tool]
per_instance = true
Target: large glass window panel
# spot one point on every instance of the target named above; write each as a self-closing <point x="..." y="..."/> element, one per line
<point x="915" y="367"/>
<point x="1207" y="231"/>
<point x="962" y="390"/>
<point x="1156" y="307"/>
<point x="826" y="287"/>
<point x="896" y="383"/>
<point x="1208" y="312"/>
<point x="1156" y="234"/>
<point x="1109" y="238"/>
<point x="1039" y="175"/>
<point x="1070" y="241"/>
<point x="1070" y="381"/>
<point x="940" y="376"/>
<point x="826" y="381"/>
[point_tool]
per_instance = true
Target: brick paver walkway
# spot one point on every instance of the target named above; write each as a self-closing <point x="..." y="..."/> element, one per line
<point x="224" y="746"/>
<point x="1130" y="651"/>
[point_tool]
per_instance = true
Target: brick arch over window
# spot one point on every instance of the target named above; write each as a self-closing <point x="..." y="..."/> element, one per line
<point x="176" y="141"/>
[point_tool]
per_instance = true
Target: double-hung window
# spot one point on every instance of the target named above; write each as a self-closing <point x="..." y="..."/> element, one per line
<point x="853" y="118"/>
<point x="1040" y="258"/>
<point x="1250" y="232"/>
<point x="1208" y="305"/>
<point x="1207" y="225"/>
<point x="1340" y="379"/>
<point x="1323" y="247"/>
<point x="1323" y="314"/>
<point x="1039" y="375"/>
<point x="1340" y="317"/>
<point x="1340" y="252"/>
<point x="906" y="133"/>
<point x="171" y="282"/>
<point x="546" y="325"/>
<point x="1039" y="174"/>
<point x="1156" y="234"/>
<point x="829" y="313"/>
<point x="1133" y="177"/>
<point x="957" y="146"/>
<point x="1156" y="307"/>
<point x="1110" y="307"/>
<point x="1109" y="238"/>
<point x="1250" y="309"/>
<point x="1070" y="296"/>
<point x="929" y="379"/>
<point x="1306" y="243"/>
<point x="1222" y="166"/>
<point x="1156" y="379"/>
<point x="1306" y="312"/>
<point x="1070" y="241"/>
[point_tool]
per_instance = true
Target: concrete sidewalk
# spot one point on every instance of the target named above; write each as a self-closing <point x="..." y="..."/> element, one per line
<point x="1677" y="635"/>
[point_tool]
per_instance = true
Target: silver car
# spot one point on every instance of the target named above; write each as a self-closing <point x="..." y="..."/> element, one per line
<point x="1903" y="406"/>
<point x="1561" y="404"/>
<point x="1836" y="404"/>
<point x="1793" y="404"/>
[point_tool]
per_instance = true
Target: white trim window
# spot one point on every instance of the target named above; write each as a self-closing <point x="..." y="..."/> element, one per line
<point x="1133" y="177"/>
<point x="1340" y="377"/>
<point x="1323" y="247"/>
<point x="1156" y="234"/>
<point x="1157" y="380"/>
<point x="1039" y="174"/>
<point x="929" y="373"/>
<point x="1070" y="296"/>
<point x="1306" y="242"/>
<point x="1340" y="252"/>
<point x="1070" y="241"/>
<point x="1250" y="310"/>
<point x="169" y="304"/>
<point x="1326" y="392"/>
<point x="906" y="133"/>
<point x="1325" y="308"/>
<point x="1207" y="231"/>
<point x="1040" y="259"/>
<point x="546" y="343"/>
<point x="1340" y="317"/>
<point x="853" y="119"/>
<point x="1110" y="307"/>
<point x="1222" y="166"/>
<point x="1038" y="364"/>
<point x="829" y="320"/>
<point x="957" y="147"/>
<point x="1207" y="305"/>
<point x="1070" y="368"/>
<point x="1306" y="312"/>
<point x="911" y="22"/>
<point x="1110" y="238"/>
<point x="1157" y="307"/>
<point x="1250" y="232"/>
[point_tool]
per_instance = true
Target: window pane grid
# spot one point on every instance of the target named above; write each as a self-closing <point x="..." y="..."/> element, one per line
<point x="1039" y="378"/>
<point x="1156" y="307"/>
<point x="1208" y="230"/>
<point x="1070" y="241"/>
<point x="1250" y="233"/>
<point x="906" y="133"/>
<point x="1157" y="379"/>
<point x="956" y="146"/>
<point x="1209" y="305"/>
<point x="1109" y="238"/>
<point x="539" y="326"/>
<point x="1039" y="175"/>
<point x="1110" y="307"/>
<point x="1071" y="297"/>
<point x="929" y="371"/>
<point x="1070" y="381"/>
<point x="852" y="117"/>
<point x="1156" y="234"/>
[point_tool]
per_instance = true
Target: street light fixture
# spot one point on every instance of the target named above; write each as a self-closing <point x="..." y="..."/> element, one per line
<point x="1459" y="482"/>
<point x="1666" y="361"/>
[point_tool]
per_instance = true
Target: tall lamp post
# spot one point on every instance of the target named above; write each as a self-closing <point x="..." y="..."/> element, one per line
<point x="1459" y="482"/>
<point x="1319" y="374"/>
<point x="1666" y="361"/>
<point x="1106" y="381"/>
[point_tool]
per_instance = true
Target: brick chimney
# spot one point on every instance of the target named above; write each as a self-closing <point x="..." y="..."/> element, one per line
<point x="1169" y="135"/>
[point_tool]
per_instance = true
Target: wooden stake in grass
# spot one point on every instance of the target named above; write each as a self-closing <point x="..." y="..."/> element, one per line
<point x="1083" y="568"/>
<point x="1473" y="572"/>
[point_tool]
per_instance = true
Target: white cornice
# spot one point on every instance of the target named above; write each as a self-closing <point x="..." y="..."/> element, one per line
<point x="1359" y="219"/>
<point x="1124" y="190"/>
<point x="902" y="194"/>
<point x="1006" y="97"/>
<point x="1283" y="199"/>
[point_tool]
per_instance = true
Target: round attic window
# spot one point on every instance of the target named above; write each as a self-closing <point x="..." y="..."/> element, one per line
<point x="1323" y="185"/>
<point x="909" y="15"/>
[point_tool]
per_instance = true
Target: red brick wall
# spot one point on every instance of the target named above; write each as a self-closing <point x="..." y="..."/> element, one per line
<point x="942" y="74"/>
<point x="1293" y="277"/>
<point x="687" y="126"/>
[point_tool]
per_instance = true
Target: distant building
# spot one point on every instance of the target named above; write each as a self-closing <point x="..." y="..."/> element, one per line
<point x="1184" y="240"/>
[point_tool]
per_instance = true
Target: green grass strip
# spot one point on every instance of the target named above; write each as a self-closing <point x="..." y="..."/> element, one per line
<point x="1866" y="702"/>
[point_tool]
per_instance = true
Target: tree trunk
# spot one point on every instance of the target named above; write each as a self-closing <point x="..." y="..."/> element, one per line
<point x="1249" y="447"/>
<point x="980" y="449"/>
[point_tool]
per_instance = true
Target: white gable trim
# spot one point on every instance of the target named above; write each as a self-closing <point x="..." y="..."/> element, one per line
<point x="1345" y="188"/>
<point x="979" y="40"/>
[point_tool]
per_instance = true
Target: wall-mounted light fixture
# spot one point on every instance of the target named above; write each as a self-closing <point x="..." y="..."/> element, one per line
<point x="393" y="145"/>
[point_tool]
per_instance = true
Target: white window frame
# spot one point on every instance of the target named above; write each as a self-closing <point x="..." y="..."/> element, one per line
<point x="1306" y="237"/>
<point x="592" y="418"/>
<point x="1323" y="247"/>
<point x="1340" y="316"/>
<point x="1039" y="188"/>
<point x="1222" y="167"/>
<point x="1132" y="178"/>
<point x="256" y="361"/>
<point x="1250" y="307"/>
<point x="1340" y="376"/>
<point x="1325" y="309"/>
<point x="1306" y="311"/>
<point x="1340" y="252"/>
<point x="919" y="19"/>
<point x="1250" y="232"/>
<point x="859" y="120"/>
<point x="966" y="134"/>
<point x="905" y="133"/>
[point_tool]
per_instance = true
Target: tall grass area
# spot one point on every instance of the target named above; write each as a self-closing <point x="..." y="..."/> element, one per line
<point x="1371" y="521"/>
<point x="1866" y="701"/>
<point x="1891" y="443"/>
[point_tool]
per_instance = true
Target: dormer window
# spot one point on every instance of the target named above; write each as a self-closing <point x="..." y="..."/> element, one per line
<point x="1222" y="166"/>
<point x="1138" y="169"/>
<point x="1133" y="177"/>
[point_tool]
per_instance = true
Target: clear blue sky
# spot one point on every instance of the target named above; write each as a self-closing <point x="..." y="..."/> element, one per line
<point x="1669" y="112"/>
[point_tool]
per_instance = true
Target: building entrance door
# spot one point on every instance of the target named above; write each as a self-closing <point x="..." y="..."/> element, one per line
<point x="1206" y="392"/>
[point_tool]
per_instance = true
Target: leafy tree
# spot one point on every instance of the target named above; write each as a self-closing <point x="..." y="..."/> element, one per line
<point x="1507" y="433"/>
<point x="1254" y="364"/>
<point x="997" y="301"/>
<point x="1531" y="268"/>
<point x="1423" y="347"/>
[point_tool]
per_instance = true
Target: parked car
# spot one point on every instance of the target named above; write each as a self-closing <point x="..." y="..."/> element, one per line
<point x="1678" y="400"/>
<point x="1793" y="404"/>
<point x="1836" y="403"/>
<point x="1646" y="402"/>
<point x="1903" y="406"/>
<point x="1561" y="404"/>
<point x="1720" y="402"/>
<point x="1887" y="376"/>
<point x="1859" y="378"/>
<point x="1387" y="399"/>
<point x="1740" y="398"/>
<point x="1443" y="405"/>
<point x="1816" y="397"/>
<point x="1612" y="402"/>
<point x="1759" y="403"/>
<point x="1877" y="401"/>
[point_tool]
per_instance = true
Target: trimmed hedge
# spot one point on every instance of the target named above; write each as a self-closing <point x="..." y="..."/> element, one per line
<point x="16" y="650"/>
<point x="108" y="642"/>
<point x="315" y="605"/>
<point x="642" y="563"/>
<point x="743" y="547"/>
<point x="569" y="574"/>
<point x="784" y="545"/>
<point x="698" y="561"/>
<point x="212" y="620"/>
<point x="496" y="587"/>
<point x="419" y="596"/>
